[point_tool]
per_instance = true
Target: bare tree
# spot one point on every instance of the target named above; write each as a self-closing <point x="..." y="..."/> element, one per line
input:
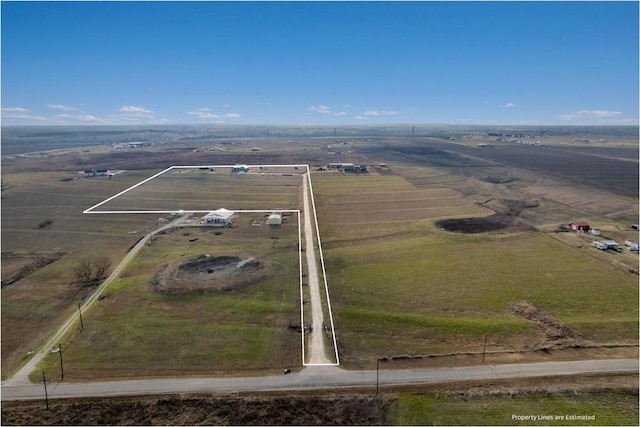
<point x="91" y="270"/>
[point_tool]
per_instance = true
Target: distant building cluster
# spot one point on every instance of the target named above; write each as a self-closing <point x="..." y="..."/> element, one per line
<point x="240" y="169"/>
<point x="96" y="172"/>
<point x="348" y="167"/>
<point x="121" y="145"/>
<point x="606" y="244"/>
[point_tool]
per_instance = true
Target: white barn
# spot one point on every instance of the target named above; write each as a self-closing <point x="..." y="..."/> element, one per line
<point x="219" y="218"/>
<point x="275" y="218"/>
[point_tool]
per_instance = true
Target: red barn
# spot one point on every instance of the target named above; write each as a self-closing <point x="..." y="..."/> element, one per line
<point x="579" y="226"/>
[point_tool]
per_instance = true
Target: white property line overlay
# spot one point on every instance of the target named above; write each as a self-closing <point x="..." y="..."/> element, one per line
<point x="92" y="210"/>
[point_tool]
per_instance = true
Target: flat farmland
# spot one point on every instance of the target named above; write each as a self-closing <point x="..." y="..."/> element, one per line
<point x="615" y="175"/>
<point x="612" y="169"/>
<point x="195" y="189"/>
<point x="240" y="327"/>
<point x="33" y="305"/>
<point x="382" y="205"/>
<point x="401" y="286"/>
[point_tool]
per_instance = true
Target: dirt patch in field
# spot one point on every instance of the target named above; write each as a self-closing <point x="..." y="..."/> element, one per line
<point x="330" y="409"/>
<point x="556" y="333"/>
<point x="491" y="223"/>
<point x="207" y="274"/>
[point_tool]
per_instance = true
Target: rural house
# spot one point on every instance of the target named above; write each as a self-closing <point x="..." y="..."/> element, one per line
<point x="579" y="226"/>
<point x="219" y="218"/>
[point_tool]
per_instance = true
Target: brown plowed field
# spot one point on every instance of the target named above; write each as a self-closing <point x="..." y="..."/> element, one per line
<point x="588" y="165"/>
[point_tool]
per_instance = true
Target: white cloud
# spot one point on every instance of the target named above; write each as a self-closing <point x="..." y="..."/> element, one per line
<point x="77" y="117"/>
<point x="130" y="114"/>
<point x="204" y="115"/>
<point x="509" y="105"/>
<point x="322" y="109"/>
<point x="14" y="110"/>
<point x="62" y="107"/>
<point x="361" y="118"/>
<point x="589" y="115"/>
<point x="137" y="111"/>
<point x="380" y="113"/>
<point x="20" y="114"/>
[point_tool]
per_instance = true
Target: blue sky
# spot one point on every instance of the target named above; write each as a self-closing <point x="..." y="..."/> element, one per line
<point x="319" y="63"/>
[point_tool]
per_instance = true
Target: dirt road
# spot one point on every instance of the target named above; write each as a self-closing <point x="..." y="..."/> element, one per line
<point x="316" y="350"/>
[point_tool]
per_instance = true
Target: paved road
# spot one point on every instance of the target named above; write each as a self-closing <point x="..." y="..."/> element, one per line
<point x="316" y="349"/>
<point x="318" y="377"/>
<point x="22" y="376"/>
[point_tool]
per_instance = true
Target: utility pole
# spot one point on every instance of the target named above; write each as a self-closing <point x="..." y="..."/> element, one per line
<point x="413" y="131"/>
<point x="46" y="396"/>
<point x="61" y="367"/>
<point x="484" y="349"/>
<point x="80" y="312"/>
<point x="377" y="375"/>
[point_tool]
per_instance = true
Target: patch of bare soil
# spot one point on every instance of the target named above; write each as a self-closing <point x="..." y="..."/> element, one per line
<point x="556" y="333"/>
<point x="207" y="274"/>
<point x="491" y="223"/>
<point x="352" y="409"/>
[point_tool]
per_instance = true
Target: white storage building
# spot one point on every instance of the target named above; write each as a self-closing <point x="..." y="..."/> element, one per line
<point x="219" y="218"/>
<point x="275" y="218"/>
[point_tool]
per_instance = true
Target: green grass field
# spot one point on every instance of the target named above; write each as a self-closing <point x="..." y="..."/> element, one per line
<point x="410" y="288"/>
<point x="605" y="408"/>
<point x="32" y="307"/>
<point x="41" y="300"/>
<point x="137" y="332"/>
<point x="398" y="284"/>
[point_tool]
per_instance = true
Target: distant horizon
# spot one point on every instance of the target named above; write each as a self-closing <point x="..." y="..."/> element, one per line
<point x="320" y="63"/>
<point x="329" y="125"/>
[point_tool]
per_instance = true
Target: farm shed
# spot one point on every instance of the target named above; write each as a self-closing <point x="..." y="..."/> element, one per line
<point x="579" y="226"/>
<point x="275" y="218"/>
<point x="340" y="165"/>
<point x="220" y="218"/>
<point x="356" y="168"/>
